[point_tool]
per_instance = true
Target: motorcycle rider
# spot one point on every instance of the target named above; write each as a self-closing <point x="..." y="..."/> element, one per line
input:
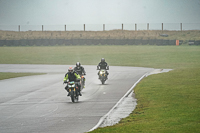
<point x="72" y="75"/>
<point x="80" y="70"/>
<point x="103" y="65"/>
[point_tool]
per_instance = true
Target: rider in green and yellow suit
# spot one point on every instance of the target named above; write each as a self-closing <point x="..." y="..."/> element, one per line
<point x="71" y="75"/>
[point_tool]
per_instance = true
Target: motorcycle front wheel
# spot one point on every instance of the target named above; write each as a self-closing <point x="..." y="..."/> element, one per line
<point x="102" y="81"/>
<point x="76" y="96"/>
<point x="72" y="96"/>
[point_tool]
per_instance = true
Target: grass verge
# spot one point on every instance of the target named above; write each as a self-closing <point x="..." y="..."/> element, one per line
<point x="8" y="75"/>
<point x="167" y="102"/>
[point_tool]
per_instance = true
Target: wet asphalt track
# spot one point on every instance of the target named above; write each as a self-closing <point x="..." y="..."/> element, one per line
<point x="40" y="103"/>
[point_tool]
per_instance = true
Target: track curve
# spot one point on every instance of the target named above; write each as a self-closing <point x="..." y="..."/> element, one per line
<point x="40" y="104"/>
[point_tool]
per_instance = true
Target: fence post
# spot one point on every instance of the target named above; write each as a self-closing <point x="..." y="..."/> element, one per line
<point x="135" y="27"/>
<point x="181" y="26"/>
<point x="65" y="27"/>
<point x="147" y="26"/>
<point x="122" y="27"/>
<point x="42" y="27"/>
<point x="84" y="27"/>
<point x="103" y="27"/>
<point x="162" y="26"/>
<point x="19" y="28"/>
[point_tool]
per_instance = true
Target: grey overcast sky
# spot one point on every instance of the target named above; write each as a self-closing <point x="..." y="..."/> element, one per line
<point x="58" y="12"/>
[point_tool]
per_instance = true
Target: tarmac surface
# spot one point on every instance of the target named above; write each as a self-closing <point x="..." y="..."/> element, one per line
<point x="40" y="104"/>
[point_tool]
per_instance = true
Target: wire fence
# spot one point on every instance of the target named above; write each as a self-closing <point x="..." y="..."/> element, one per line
<point x="103" y="27"/>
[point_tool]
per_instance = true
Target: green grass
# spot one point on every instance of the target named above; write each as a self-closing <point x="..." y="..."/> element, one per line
<point x="14" y="75"/>
<point x="167" y="102"/>
<point x="140" y="56"/>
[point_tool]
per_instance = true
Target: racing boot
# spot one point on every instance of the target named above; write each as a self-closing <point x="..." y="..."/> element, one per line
<point x="80" y="93"/>
<point x="79" y="90"/>
<point x="68" y="94"/>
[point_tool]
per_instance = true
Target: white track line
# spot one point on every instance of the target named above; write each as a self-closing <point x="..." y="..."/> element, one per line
<point x="117" y="104"/>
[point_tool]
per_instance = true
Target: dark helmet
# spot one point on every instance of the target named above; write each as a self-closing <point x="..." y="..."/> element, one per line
<point x="102" y="60"/>
<point x="70" y="69"/>
<point x="78" y="64"/>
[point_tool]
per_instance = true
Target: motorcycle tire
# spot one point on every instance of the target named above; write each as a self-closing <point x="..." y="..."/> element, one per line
<point x="82" y="86"/>
<point x="72" y="96"/>
<point x="76" y="96"/>
<point x="102" y="81"/>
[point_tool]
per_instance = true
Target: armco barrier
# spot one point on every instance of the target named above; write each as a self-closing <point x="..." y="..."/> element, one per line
<point x="7" y="42"/>
<point x="145" y="42"/>
<point x="137" y="41"/>
<point x="88" y="41"/>
<point x="172" y="42"/>
<point x="30" y="42"/>
<point x="23" y="42"/>
<point x="2" y="42"/>
<point x="126" y="41"/>
<point x="103" y="42"/>
<point x="165" y="42"/>
<point x="193" y="42"/>
<point x="67" y="42"/>
<point x="152" y="42"/>
<point x="197" y="42"/>
<point x="108" y="42"/>
<point x="159" y="42"/>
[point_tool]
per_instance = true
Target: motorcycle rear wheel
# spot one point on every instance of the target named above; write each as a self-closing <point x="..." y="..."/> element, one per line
<point x="82" y="86"/>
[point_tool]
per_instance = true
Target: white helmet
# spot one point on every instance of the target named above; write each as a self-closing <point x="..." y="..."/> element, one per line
<point x="70" y="69"/>
<point x="78" y="64"/>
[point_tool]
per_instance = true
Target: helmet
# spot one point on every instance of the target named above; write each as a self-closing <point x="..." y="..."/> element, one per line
<point x="71" y="70"/>
<point x="78" y="64"/>
<point x="102" y="60"/>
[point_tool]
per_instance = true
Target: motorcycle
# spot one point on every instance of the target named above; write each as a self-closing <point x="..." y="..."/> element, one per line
<point x="73" y="90"/>
<point x="82" y="82"/>
<point x="102" y="74"/>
